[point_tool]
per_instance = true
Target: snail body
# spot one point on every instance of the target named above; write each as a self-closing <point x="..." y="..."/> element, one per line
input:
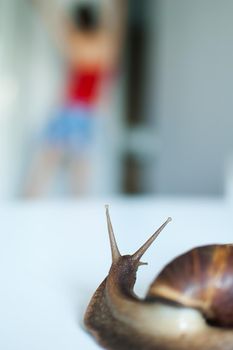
<point x="188" y="306"/>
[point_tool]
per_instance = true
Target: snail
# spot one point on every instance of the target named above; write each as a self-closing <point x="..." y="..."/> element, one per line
<point x="189" y="305"/>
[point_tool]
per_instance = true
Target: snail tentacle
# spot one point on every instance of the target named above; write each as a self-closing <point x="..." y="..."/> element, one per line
<point x="114" y="248"/>
<point x="141" y="251"/>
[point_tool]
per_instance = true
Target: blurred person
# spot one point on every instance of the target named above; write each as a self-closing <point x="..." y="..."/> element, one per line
<point x="89" y="37"/>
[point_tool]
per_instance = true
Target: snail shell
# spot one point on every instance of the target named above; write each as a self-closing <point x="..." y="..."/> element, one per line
<point x="188" y="306"/>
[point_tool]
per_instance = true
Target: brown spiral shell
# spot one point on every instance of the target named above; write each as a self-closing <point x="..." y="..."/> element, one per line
<point x="202" y="278"/>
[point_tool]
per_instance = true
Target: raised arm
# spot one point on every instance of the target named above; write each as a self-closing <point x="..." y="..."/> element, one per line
<point x="56" y="20"/>
<point x="114" y="19"/>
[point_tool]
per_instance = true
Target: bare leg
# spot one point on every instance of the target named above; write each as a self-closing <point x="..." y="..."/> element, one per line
<point x="42" y="171"/>
<point x="80" y="172"/>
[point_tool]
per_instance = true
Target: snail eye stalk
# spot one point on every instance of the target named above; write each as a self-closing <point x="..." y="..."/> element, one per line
<point x="141" y="251"/>
<point x="114" y="248"/>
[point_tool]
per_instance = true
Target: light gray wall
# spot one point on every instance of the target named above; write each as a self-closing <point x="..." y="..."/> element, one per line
<point x="192" y="93"/>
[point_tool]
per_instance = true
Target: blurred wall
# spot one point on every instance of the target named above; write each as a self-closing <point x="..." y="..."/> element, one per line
<point x="10" y="60"/>
<point x="27" y="74"/>
<point x="191" y="87"/>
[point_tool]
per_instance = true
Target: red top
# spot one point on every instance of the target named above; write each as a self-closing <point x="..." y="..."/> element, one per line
<point x="83" y="87"/>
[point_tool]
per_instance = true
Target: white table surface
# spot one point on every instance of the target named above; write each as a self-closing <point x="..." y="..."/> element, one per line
<point x="54" y="255"/>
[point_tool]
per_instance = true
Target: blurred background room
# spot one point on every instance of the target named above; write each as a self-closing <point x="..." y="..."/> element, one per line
<point x="120" y="102"/>
<point x="162" y="121"/>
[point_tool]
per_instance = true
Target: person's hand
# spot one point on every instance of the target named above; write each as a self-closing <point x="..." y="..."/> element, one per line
<point x="33" y="2"/>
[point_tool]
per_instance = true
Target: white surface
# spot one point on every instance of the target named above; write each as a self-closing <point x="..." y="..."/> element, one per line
<point x="54" y="255"/>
